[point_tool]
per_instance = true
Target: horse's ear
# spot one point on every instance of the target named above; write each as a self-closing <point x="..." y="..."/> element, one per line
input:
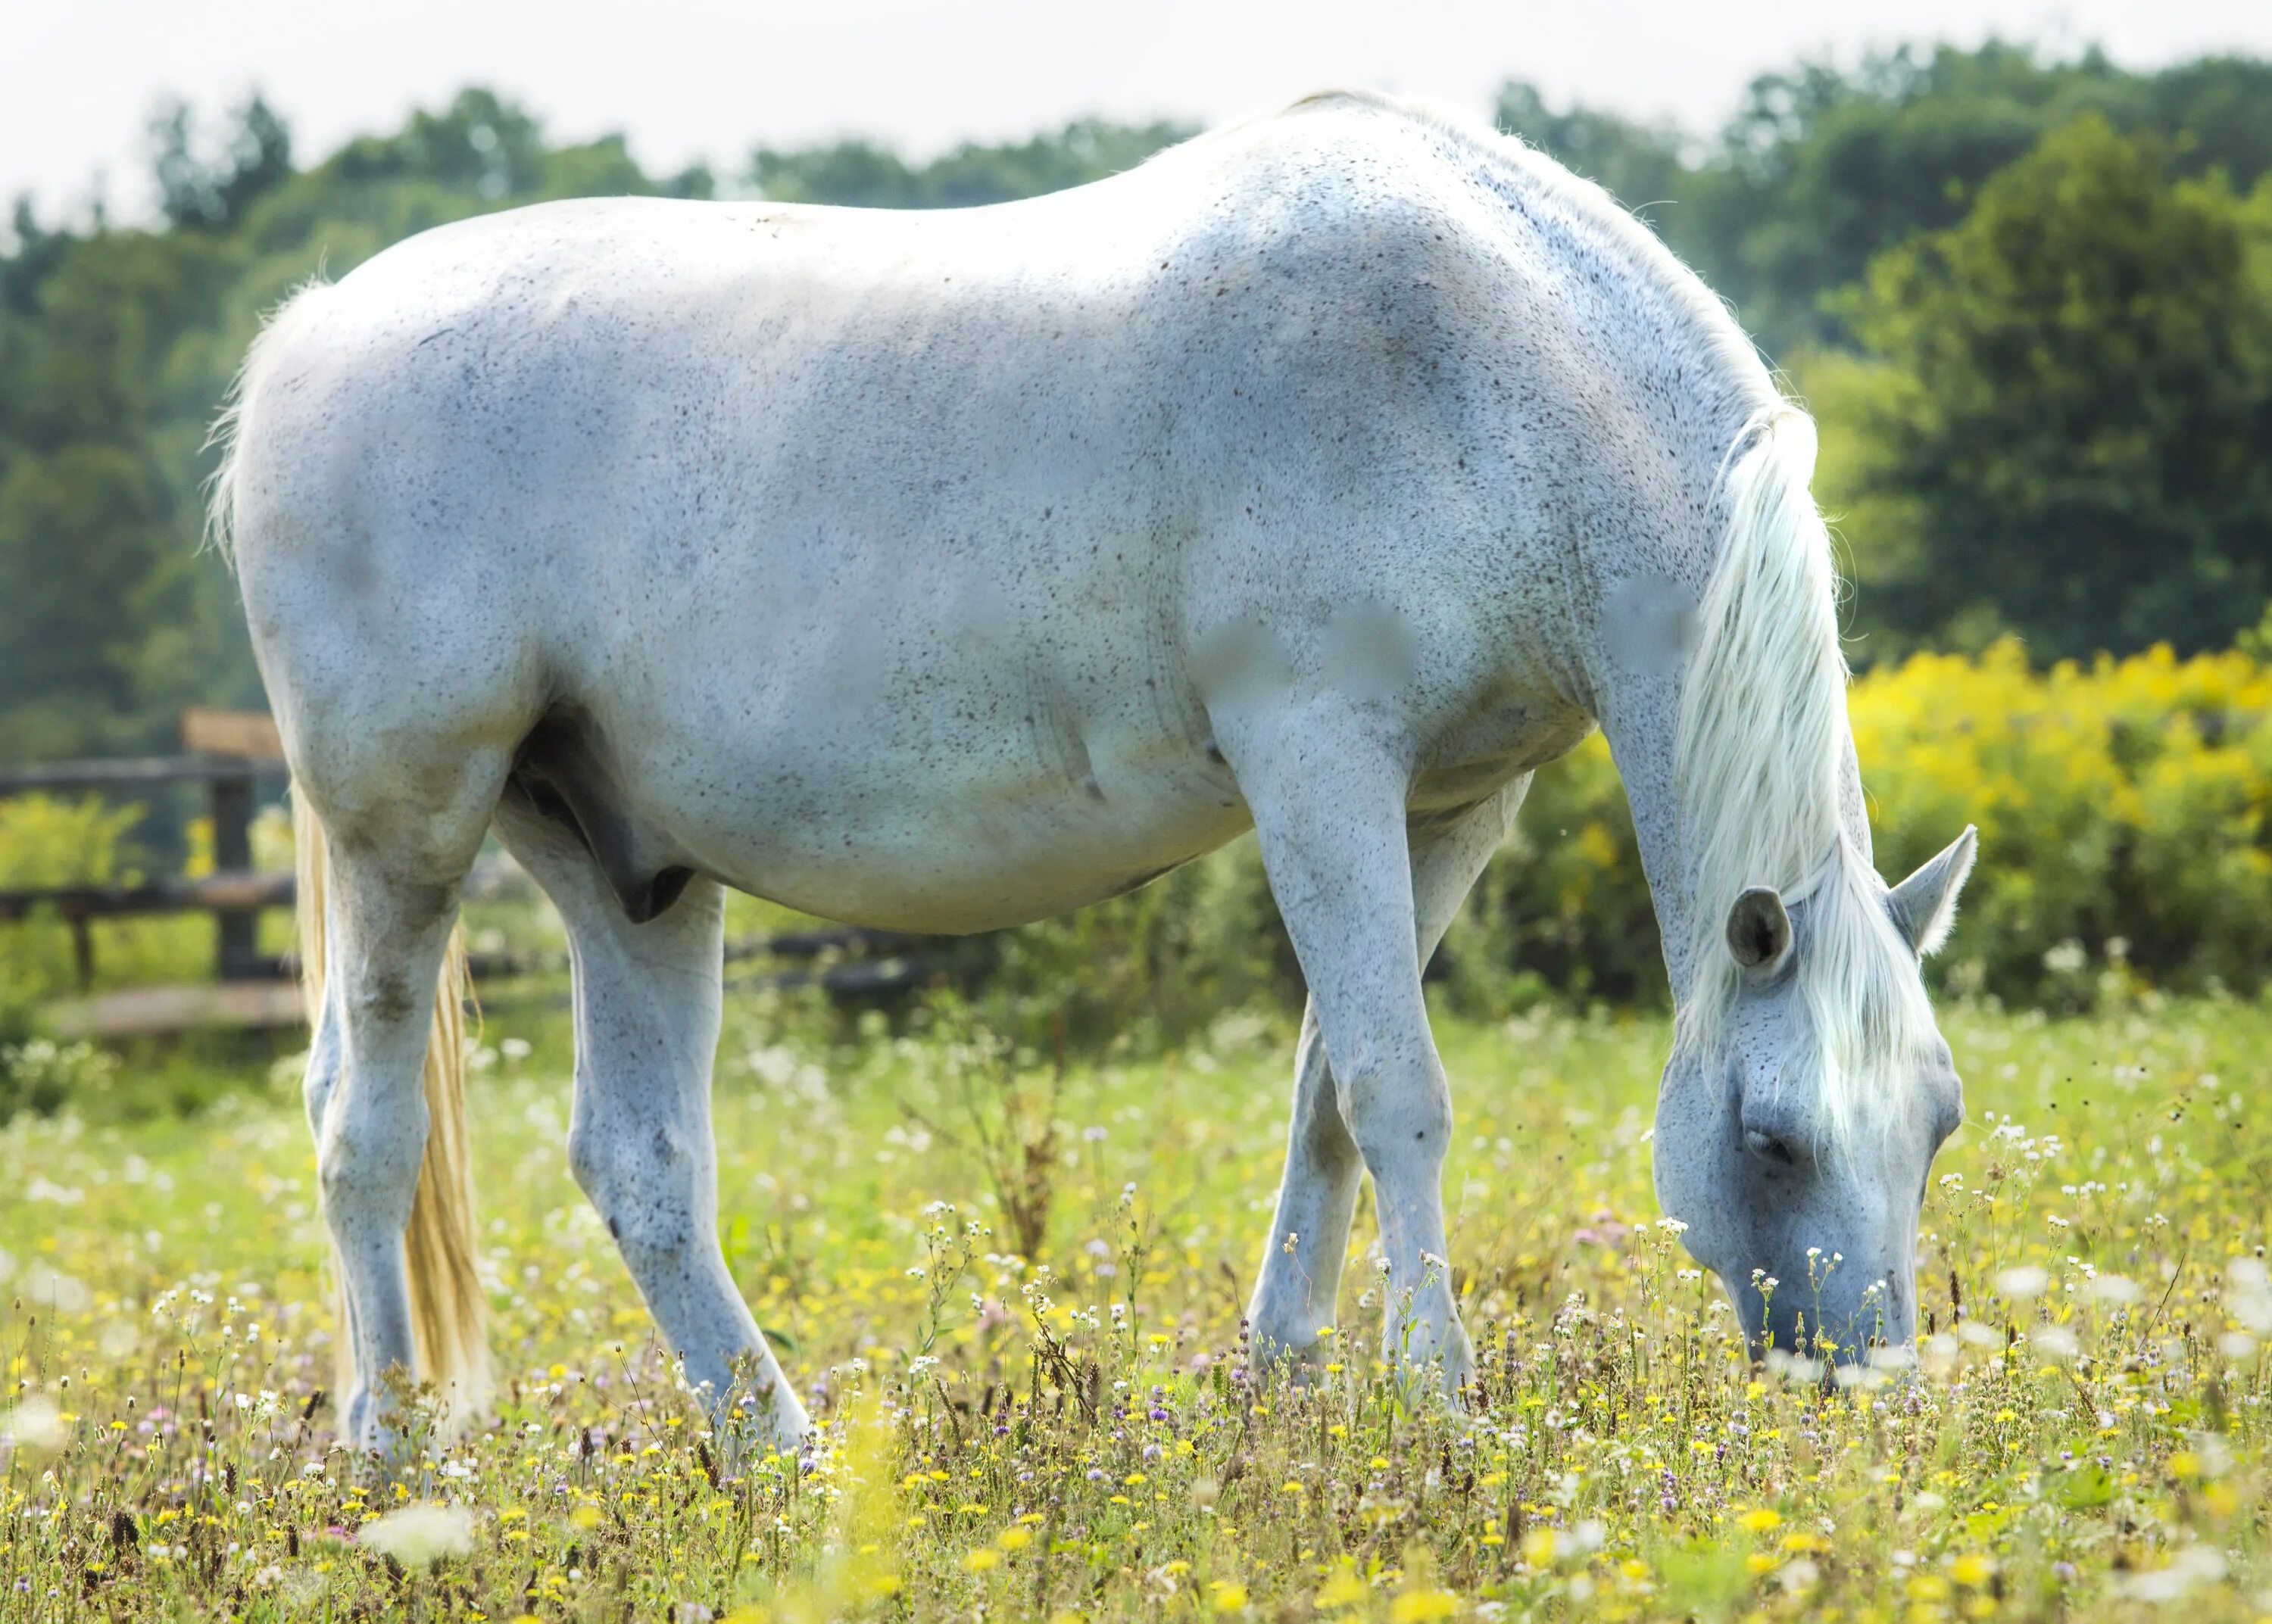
<point x="1758" y="929"/>
<point x="1925" y="905"/>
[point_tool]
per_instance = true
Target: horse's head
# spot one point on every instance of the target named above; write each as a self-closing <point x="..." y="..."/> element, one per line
<point x="1805" y="1203"/>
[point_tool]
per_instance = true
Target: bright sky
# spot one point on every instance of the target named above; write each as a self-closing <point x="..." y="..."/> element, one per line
<point x="689" y="80"/>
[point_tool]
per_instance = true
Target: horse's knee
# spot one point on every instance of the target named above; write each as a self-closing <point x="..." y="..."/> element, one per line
<point x="1397" y="1113"/>
<point x="640" y="1179"/>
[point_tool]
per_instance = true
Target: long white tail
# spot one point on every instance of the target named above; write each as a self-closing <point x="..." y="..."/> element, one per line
<point x="446" y="1305"/>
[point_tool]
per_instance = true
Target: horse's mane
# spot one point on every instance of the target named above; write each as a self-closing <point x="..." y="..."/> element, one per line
<point x="1760" y="769"/>
<point x="1762" y="749"/>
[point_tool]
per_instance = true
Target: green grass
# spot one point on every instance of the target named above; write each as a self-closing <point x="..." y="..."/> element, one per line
<point x="1088" y="1441"/>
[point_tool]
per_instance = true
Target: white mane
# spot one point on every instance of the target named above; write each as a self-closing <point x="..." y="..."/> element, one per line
<point x="1760" y="770"/>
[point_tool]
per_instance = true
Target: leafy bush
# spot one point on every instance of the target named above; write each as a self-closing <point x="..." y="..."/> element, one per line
<point x="2122" y="812"/>
<point x="2122" y="808"/>
<point x="1162" y="962"/>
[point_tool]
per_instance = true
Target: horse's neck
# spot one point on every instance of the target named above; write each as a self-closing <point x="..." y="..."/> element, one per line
<point x="1639" y="718"/>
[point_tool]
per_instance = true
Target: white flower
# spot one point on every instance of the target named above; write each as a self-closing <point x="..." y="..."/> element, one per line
<point x="2115" y="1288"/>
<point x="2028" y="1280"/>
<point x="2196" y="1564"/>
<point x="36" y="1424"/>
<point x="422" y="1534"/>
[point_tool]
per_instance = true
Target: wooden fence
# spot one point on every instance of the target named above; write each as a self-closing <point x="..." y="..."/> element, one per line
<point x="229" y="752"/>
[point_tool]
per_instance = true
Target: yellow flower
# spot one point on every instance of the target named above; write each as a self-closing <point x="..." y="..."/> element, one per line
<point x="1344" y="1589"/>
<point x="1230" y="1595"/>
<point x="1759" y="1520"/>
<point x="1015" y="1538"/>
<point x="1423" y="1606"/>
<point x="1971" y="1569"/>
<point x="981" y="1559"/>
<point x="1759" y="1561"/>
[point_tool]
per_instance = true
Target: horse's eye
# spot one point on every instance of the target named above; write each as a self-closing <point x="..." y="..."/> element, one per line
<point x="1770" y="1147"/>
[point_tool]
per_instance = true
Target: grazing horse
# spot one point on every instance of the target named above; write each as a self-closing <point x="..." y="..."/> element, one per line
<point x="1325" y="475"/>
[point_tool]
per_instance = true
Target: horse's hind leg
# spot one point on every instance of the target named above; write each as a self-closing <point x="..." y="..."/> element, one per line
<point x="1300" y="1281"/>
<point x="391" y="899"/>
<point x="640" y="1141"/>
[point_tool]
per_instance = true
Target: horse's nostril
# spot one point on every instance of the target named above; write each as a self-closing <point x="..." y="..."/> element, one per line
<point x="1773" y="1147"/>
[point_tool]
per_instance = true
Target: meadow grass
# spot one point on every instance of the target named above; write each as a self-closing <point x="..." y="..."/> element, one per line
<point x="1012" y="1294"/>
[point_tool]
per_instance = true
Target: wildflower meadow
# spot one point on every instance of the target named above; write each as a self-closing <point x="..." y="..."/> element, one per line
<point x="1011" y="1288"/>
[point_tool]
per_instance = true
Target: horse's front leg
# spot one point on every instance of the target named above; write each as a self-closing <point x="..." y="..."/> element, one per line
<point x="1300" y="1284"/>
<point x="1328" y="795"/>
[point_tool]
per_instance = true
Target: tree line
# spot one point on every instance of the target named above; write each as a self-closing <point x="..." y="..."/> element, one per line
<point x="2031" y="301"/>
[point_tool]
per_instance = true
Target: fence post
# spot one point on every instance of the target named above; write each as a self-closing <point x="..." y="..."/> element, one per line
<point x="246" y="737"/>
<point x="236" y="930"/>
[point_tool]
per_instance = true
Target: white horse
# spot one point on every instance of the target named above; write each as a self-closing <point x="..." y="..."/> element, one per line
<point x="1324" y="475"/>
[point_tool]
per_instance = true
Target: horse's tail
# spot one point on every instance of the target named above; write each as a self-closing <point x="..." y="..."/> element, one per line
<point x="447" y="1304"/>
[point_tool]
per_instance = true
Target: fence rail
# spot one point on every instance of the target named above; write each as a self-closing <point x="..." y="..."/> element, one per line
<point x="231" y="752"/>
<point x="228" y="752"/>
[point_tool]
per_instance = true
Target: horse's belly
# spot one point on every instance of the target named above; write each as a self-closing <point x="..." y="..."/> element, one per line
<point x="896" y="872"/>
<point x="962" y="838"/>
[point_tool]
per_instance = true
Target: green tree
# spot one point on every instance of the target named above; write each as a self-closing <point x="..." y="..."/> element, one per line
<point x="2065" y="429"/>
<point x="117" y="344"/>
<point x="1822" y="168"/>
<point x="1643" y="165"/>
<point x="865" y="175"/>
